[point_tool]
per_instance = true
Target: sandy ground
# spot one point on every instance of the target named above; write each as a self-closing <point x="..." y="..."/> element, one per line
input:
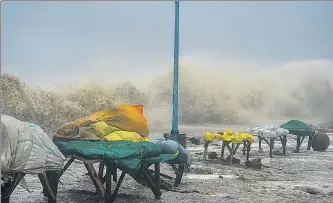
<point x="297" y="177"/>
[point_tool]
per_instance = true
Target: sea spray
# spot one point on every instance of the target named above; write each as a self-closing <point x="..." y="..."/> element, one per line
<point x="295" y="90"/>
<point x="211" y="94"/>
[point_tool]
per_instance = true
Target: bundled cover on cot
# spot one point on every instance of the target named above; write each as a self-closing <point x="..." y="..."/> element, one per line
<point x="268" y="131"/>
<point x="123" y="123"/>
<point x="173" y="147"/>
<point x="26" y="148"/>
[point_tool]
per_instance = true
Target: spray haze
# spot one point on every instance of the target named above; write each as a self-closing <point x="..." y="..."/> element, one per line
<point x="227" y="93"/>
<point x="211" y="92"/>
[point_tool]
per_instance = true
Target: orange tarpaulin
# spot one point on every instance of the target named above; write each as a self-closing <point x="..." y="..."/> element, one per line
<point x="127" y="118"/>
<point x="138" y="107"/>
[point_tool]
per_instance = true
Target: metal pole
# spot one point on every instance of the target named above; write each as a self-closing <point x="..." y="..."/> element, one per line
<point x="175" y="130"/>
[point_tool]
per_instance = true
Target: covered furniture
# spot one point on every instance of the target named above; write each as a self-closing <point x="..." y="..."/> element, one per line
<point x="27" y="149"/>
<point x="132" y="158"/>
<point x="269" y="134"/>
<point x="230" y="138"/>
<point x="301" y="130"/>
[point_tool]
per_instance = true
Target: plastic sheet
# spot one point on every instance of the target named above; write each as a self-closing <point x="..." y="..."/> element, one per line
<point x="26" y="148"/>
<point x="268" y="131"/>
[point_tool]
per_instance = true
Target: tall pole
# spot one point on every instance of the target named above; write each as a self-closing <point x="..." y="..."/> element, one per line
<point x="175" y="130"/>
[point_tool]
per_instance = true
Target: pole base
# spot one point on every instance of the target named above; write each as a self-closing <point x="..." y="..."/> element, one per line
<point x="176" y="136"/>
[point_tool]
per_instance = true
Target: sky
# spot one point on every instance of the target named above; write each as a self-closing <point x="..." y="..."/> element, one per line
<point x="51" y="43"/>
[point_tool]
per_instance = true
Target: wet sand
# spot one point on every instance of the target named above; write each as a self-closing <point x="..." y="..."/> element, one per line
<point x="297" y="177"/>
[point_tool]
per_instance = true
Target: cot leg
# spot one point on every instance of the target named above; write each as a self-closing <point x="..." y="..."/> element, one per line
<point x="94" y="177"/>
<point x="43" y="181"/>
<point x="5" y="198"/>
<point x="235" y="149"/>
<point x="310" y="142"/>
<point x="248" y="150"/>
<point x="108" y="192"/>
<point x="284" y="143"/>
<point x="232" y="153"/>
<point x="69" y="162"/>
<point x="222" y="150"/>
<point x="271" y="146"/>
<point x="298" y="143"/>
<point x="9" y="187"/>
<point x="53" y="179"/>
<point x="205" y="151"/>
<point x="115" y="192"/>
<point x="100" y="173"/>
<point x="158" y="174"/>
<point x="147" y="175"/>
<point x="47" y="190"/>
<point x="179" y="176"/>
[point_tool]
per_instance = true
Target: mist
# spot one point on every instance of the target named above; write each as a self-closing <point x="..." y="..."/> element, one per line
<point x="210" y="92"/>
<point x="241" y="94"/>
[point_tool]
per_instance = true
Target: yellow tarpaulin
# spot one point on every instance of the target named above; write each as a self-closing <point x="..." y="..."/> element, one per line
<point x="125" y="135"/>
<point x="126" y="118"/>
<point x="230" y="136"/>
<point x="102" y="128"/>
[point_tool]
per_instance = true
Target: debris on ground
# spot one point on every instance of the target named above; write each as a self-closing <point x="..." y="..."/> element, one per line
<point x="234" y="160"/>
<point x="212" y="155"/>
<point x="307" y="189"/>
<point x="194" y="140"/>
<point x="255" y="163"/>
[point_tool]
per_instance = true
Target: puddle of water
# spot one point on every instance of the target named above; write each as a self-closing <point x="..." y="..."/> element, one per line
<point x="229" y="176"/>
<point x="202" y="177"/>
<point x="218" y="195"/>
<point x="208" y="176"/>
<point x="196" y="148"/>
<point x="266" y="161"/>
